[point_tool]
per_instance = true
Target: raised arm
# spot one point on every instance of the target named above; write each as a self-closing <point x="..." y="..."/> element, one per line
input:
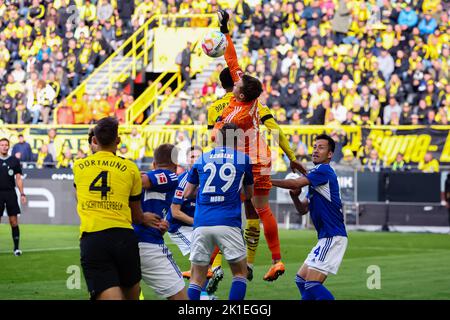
<point x="230" y="53"/>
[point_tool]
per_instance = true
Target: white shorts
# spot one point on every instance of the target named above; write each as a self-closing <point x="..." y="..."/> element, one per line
<point x="327" y="255"/>
<point x="229" y="240"/>
<point x="183" y="239"/>
<point x="159" y="270"/>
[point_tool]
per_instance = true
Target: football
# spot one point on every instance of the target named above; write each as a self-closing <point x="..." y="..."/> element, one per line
<point x="214" y="44"/>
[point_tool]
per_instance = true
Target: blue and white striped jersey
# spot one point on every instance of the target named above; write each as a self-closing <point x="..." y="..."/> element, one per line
<point x="325" y="204"/>
<point x="157" y="200"/>
<point x="187" y="205"/>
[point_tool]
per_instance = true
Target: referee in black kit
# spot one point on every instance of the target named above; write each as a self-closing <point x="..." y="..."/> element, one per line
<point x="10" y="169"/>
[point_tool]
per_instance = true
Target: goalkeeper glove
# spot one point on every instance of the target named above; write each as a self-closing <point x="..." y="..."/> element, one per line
<point x="223" y="21"/>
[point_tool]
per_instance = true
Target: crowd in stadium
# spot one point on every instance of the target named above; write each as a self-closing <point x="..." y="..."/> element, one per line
<point x="345" y="62"/>
<point x="330" y="62"/>
<point x="48" y="47"/>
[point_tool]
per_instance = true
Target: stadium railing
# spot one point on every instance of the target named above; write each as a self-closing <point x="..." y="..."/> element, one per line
<point x="154" y="98"/>
<point x="137" y="47"/>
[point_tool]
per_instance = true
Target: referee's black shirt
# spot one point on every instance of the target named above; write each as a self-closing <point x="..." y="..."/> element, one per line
<point x="9" y="167"/>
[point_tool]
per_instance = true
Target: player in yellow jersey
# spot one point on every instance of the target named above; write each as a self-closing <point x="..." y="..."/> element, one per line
<point x="252" y="229"/>
<point x="109" y="193"/>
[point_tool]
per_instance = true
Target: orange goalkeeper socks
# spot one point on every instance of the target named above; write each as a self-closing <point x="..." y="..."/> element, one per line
<point x="270" y="231"/>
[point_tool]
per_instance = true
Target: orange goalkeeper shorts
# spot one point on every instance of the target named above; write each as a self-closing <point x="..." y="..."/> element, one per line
<point x="261" y="177"/>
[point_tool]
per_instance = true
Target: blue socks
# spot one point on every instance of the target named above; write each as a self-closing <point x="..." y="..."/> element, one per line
<point x="315" y="290"/>
<point x="237" y="291"/>
<point x="194" y="292"/>
<point x="238" y="288"/>
<point x="300" y="282"/>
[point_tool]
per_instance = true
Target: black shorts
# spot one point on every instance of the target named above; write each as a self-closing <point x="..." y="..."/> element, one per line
<point x="110" y="258"/>
<point x="8" y="199"/>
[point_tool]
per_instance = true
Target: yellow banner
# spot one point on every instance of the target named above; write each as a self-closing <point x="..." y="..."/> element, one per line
<point x="413" y="142"/>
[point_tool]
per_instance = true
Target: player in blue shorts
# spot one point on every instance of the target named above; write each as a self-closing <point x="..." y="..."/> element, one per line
<point x="325" y="207"/>
<point x="159" y="270"/>
<point x="220" y="175"/>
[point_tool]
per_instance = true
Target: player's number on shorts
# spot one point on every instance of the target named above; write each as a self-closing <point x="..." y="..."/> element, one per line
<point x="102" y="186"/>
<point x="227" y="173"/>
<point x="317" y="251"/>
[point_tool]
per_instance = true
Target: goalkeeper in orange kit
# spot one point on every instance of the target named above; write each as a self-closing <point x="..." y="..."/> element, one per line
<point x="240" y="106"/>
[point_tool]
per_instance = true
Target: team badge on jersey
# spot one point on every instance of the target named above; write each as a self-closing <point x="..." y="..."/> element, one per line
<point x="179" y="194"/>
<point x="162" y="179"/>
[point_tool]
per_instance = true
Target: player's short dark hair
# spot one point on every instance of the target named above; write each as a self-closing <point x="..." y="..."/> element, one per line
<point x="90" y="135"/>
<point x="331" y="143"/>
<point x="106" y="131"/>
<point x="165" y="155"/>
<point x="5" y="139"/>
<point x="251" y="88"/>
<point x="226" y="80"/>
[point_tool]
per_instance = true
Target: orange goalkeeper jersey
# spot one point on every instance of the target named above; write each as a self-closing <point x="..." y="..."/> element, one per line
<point x="244" y="114"/>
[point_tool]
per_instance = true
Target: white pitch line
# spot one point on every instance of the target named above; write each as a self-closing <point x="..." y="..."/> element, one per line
<point x="44" y="249"/>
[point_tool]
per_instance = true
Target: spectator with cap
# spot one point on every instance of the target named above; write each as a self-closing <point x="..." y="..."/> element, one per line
<point x="349" y="159"/>
<point x="123" y="151"/>
<point x="8" y="113"/>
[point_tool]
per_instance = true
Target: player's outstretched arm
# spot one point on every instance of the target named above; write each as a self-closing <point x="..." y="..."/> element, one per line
<point x="301" y="206"/>
<point x="272" y="125"/>
<point x="292" y="184"/>
<point x="230" y="52"/>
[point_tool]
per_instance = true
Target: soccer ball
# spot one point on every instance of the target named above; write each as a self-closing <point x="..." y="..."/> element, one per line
<point x="214" y="44"/>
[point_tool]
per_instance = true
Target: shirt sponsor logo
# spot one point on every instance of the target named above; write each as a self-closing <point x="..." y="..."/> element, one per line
<point x="161" y="177"/>
<point x="179" y="194"/>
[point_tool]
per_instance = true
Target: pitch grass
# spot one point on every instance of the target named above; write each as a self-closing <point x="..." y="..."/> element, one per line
<point x="412" y="265"/>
